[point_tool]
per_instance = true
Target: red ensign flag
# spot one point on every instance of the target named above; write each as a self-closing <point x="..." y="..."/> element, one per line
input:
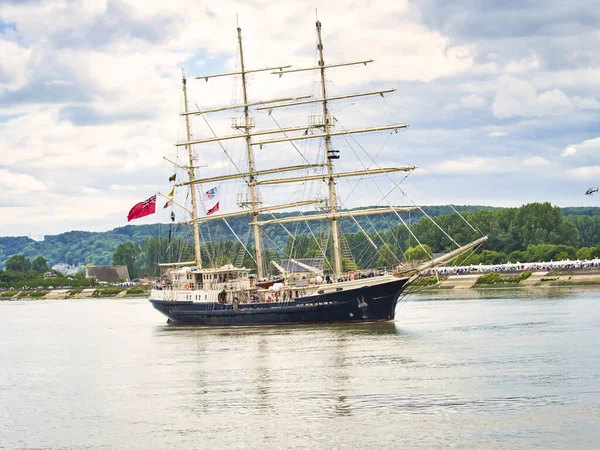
<point x="214" y="209"/>
<point x="142" y="209"/>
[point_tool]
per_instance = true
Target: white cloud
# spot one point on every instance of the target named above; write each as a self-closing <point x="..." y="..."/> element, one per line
<point x="58" y="145"/>
<point x="497" y="134"/>
<point x="583" y="159"/>
<point x="590" y="147"/>
<point x="470" y="165"/>
<point x="586" y="103"/>
<point x="19" y="183"/>
<point x="472" y="101"/>
<point x="568" y="77"/>
<point x="585" y="173"/>
<point x="57" y="83"/>
<point x="13" y="66"/>
<point x="523" y="65"/>
<point x="122" y="187"/>
<point x="535" y="161"/>
<point x="90" y="191"/>
<point x="481" y="165"/>
<point x="515" y="97"/>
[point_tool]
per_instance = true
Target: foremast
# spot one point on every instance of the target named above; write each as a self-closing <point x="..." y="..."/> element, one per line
<point x="260" y="265"/>
<point x="190" y="169"/>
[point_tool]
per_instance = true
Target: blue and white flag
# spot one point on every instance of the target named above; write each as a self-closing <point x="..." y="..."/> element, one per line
<point x="211" y="193"/>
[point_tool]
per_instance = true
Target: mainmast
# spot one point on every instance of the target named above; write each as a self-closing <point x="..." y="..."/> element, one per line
<point x="260" y="266"/>
<point x="331" y="155"/>
<point x="191" y="175"/>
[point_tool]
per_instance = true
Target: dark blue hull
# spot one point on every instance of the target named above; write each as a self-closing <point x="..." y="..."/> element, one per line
<point x="364" y="304"/>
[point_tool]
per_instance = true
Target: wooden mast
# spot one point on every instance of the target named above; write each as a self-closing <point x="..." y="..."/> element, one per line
<point x="191" y="175"/>
<point x="331" y="155"/>
<point x="251" y="174"/>
<point x="260" y="266"/>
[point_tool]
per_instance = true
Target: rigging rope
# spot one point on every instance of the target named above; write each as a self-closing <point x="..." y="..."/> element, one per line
<point x="476" y="229"/>
<point x="444" y="188"/>
<point x="451" y="206"/>
<point x="239" y="240"/>
<point x="404" y="193"/>
<point x="390" y="204"/>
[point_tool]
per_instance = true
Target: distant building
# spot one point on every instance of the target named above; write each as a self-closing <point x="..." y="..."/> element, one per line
<point x="49" y="275"/>
<point x="109" y="274"/>
<point x="68" y="269"/>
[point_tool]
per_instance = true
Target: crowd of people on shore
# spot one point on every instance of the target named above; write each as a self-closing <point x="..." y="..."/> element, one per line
<point x="516" y="267"/>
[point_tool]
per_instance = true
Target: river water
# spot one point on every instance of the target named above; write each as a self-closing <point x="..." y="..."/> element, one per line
<point x="503" y="369"/>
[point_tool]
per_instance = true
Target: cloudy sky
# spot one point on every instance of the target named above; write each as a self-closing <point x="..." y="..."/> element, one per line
<point x="502" y="98"/>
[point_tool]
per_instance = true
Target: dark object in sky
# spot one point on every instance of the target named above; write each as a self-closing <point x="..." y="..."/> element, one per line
<point x="590" y="191"/>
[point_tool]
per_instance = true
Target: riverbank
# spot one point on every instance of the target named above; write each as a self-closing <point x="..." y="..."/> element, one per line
<point x="539" y="279"/>
<point x="66" y="294"/>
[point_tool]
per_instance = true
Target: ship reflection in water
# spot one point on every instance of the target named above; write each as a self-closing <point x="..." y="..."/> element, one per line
<point x="265" y="362"/>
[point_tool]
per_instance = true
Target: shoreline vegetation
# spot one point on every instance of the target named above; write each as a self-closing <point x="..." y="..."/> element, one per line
<point x="78" y="293"/>
<point x="532" y="232"/>
<point x="582" y="278"/>
<point x="494" y="280"/>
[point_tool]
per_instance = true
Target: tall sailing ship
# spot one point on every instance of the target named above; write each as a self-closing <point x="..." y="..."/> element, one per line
<point x="293" y="291"/>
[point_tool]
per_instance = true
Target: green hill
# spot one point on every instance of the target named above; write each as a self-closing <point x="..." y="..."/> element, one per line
<point x="97" y="248"/>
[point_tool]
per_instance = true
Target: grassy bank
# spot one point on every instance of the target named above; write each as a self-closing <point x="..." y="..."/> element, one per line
<point x="526" y="279"/>
<point x="63" y="294"/>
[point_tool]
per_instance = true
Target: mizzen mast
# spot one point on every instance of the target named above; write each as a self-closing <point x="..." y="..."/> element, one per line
<point x="191" y="175"/>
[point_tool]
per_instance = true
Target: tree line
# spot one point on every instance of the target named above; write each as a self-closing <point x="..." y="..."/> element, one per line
<point x="533" y="232"/>
<point x="21" y="272"/>
<point x="514" y="234"/>
<point x="97" y="248"/>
